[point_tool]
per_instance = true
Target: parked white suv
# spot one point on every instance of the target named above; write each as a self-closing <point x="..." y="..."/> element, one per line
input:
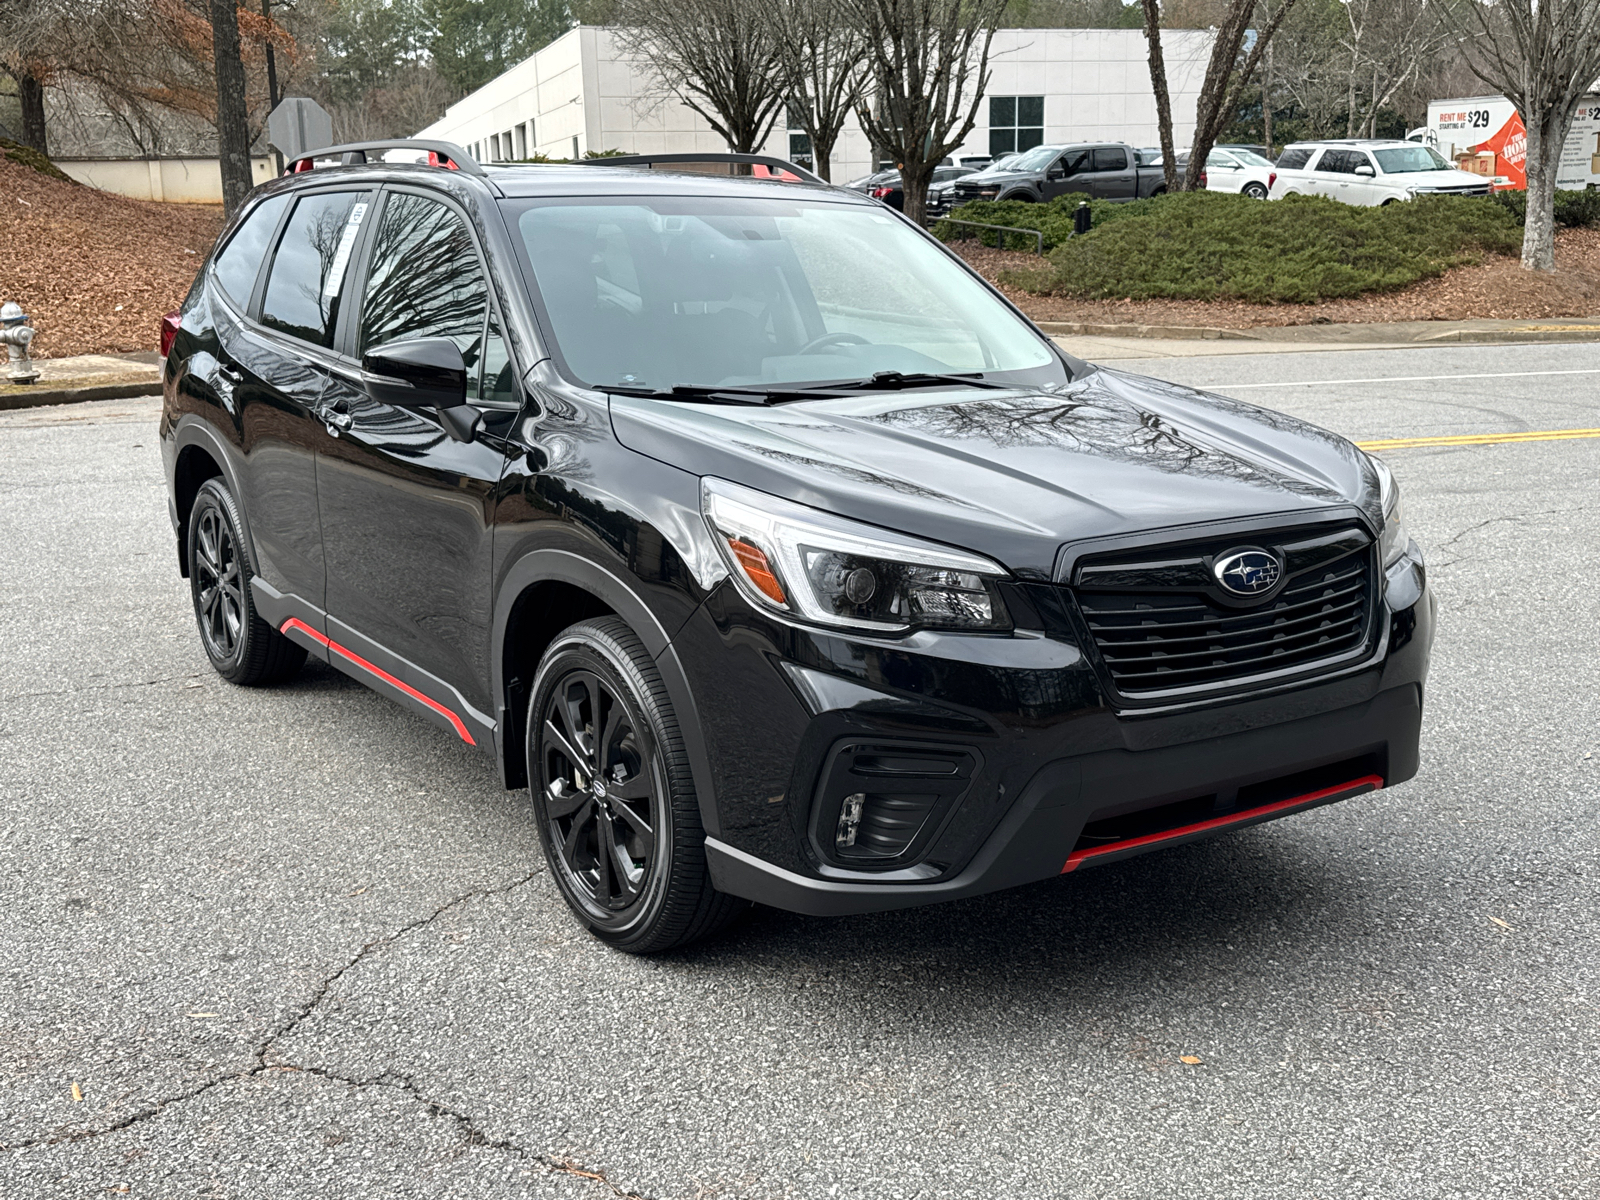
<point x="1371" y="172"/>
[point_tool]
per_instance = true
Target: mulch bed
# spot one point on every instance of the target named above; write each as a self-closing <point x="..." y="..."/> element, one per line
<point x="95" y="271"/>
<point x="1496" y="288"/>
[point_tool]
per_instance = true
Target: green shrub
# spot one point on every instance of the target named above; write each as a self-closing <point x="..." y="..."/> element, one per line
<point x="1214" y="245"/>
<point x="1053" y="219"/>
<point x="1579" y="209"/>
<point x="29" y="157"/>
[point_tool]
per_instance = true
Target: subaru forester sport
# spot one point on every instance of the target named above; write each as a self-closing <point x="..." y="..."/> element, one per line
<point x="769" y="547"/>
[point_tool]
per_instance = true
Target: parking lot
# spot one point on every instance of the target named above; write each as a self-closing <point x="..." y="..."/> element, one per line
<point x="295" y="942"/>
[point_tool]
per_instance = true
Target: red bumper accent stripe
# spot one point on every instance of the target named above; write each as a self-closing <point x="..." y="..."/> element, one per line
<point x="321" y="639"/>
<point x="1078" y="857"/>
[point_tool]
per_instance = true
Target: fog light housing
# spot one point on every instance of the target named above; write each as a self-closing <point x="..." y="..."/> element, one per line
<point x="850" y="820"/>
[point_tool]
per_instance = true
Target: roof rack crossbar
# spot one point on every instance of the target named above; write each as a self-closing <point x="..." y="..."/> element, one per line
<point x="442" y="154"/>
<point x="671" y="160"/>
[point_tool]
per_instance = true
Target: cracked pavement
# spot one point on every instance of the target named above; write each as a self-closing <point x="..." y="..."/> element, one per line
<point x="296" y="943"/>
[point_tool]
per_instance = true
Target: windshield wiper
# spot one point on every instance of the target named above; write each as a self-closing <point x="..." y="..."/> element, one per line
<point x="895" y="380"/>
<point x="713" y="395"/>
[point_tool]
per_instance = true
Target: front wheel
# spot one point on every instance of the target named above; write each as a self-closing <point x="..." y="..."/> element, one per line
<point x="1255" y="191"/>
<point x="613" y="796"/>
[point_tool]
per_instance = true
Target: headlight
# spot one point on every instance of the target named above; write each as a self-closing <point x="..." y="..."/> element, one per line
<point x="813" y="565"/>
<point x="1394" y="539"/>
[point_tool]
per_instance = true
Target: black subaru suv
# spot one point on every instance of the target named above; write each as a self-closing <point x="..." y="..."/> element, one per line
<point x="773" y="551"/>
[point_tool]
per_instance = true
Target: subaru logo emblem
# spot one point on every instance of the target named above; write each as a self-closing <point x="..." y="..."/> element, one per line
<point x="1247" y="572"/>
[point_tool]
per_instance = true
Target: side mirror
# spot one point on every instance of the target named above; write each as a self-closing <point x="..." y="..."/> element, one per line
<point x="1365" y="169"/>
<point x="422" y="374"/>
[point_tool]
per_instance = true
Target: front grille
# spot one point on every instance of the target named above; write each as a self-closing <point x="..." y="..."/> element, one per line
<point x="1161" y="625"/>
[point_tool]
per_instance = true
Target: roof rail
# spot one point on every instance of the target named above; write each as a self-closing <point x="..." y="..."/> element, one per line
<point x="440" y="154"/>
<point x="776" y="167"/>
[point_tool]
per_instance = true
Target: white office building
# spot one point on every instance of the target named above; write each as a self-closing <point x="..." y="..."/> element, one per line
<point x="582" y="94"/>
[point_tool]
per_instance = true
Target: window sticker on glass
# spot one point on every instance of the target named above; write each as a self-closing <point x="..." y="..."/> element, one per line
<point x="341" y="256"/>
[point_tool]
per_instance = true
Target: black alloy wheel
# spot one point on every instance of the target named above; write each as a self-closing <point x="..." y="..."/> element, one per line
<point x="241" y="646"/>
<point x="601" y="794"/>
<point x="612" y="792"/>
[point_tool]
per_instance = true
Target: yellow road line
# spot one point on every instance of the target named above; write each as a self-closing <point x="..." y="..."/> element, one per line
<point x="1480" y="439"/>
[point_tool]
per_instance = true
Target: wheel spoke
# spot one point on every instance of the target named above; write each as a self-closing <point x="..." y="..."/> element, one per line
<point x="575" y="832"/>
<point x="208" y="599"/>
<point x="636" y="787"/>
<point x="576" y="757"/>
<point x="616" y="722"/>
<point x="605" y="856"/>
<point x="627" y="875"/>
<point x="642" y="833"/>
<point x="560" y="802"/>
<point x="572" y="715"/>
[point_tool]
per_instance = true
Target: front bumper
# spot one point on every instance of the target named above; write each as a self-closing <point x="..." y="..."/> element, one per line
<point x="1063" y="780"/>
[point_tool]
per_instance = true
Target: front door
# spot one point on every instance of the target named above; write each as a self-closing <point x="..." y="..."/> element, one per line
<point x="1069" y="173"/>
<point x="406" y="508"/>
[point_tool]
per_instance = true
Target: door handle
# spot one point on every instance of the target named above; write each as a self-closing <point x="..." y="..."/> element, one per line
<point x="337" y="420"/>
<point x="233" y="378"/>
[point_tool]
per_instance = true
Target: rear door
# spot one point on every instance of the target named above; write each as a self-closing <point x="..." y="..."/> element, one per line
<point x="275" y="364"/>
<point x="405" y="508"/>
<point x="1331" y="174"/>
<point x="1113" y="174"/>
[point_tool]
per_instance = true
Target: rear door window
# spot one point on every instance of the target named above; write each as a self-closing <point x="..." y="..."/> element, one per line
<point x="239" y="263"/>
<point x="1111" y="158"/>
<point x="1294" y="159"/>
<point x="425" y="281"/>
<point x="308" y="272"/>
<point x="1337" y="162"/>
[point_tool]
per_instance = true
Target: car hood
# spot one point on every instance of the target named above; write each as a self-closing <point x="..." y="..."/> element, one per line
<point x="1015" y="474"/>
<point x="995" y="176"/>
<point x="1450" y="178"/>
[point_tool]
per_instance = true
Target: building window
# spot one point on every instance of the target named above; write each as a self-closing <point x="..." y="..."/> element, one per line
<point x="1015" y="123"/>
<point x="521" y="134"/>
<point x="800" y="150"/>
<point x="574" y="147"/>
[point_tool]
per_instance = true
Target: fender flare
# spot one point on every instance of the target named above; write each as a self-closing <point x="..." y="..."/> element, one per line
<point x="548" y="565"/>
<point x="194" y="430"/>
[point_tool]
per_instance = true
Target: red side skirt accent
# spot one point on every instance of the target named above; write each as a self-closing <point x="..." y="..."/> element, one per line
<point x="1078" y="857"/>
<point x="321" y="639"/>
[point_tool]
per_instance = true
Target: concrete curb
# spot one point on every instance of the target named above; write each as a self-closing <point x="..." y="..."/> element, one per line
<point x="41" y="397"/>
<point x="1504" y="336"/>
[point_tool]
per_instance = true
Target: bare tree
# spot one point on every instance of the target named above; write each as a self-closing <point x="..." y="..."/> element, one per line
<point x="1158" y="84"/>
<point x="824" y="70"/>
<point x="928" y="63"/>
<point x="1386" y="44"/>
<point x="233" y="110"/>
<point x="1226" y="78"/>
<point x="1543" y="55"/>
<point x="719" y="57"/>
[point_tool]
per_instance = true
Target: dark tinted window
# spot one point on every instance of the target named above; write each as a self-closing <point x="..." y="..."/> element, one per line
<point x="240" y="261"/>
<point x="1111" y="158"/>
<point x="1293" y="160"/>
<point x="310" y="266"/>
<point x="1074" y="162"/>
<point x="425" y="280"/>
<point x="1337" y="162"/>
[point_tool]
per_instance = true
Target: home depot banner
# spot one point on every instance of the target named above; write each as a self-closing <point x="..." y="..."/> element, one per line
<point x="1485" y="135"/>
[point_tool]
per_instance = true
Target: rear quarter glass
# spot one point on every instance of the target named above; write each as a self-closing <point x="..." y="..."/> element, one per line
<point x="237" y="265"/>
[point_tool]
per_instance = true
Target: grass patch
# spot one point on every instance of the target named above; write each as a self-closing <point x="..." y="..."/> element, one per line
<point x="29" y="157"/>
<point x="1214" y="245"/>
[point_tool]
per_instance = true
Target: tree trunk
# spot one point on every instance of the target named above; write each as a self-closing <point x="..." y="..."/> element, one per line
<point x="1545" y="137"/>
<point x="914" y="187"/>
<point x="31" y="93"/>
<point x="233" y="120"/>
<point x="1158" y="84"/>
<point x="1266" y="101"/>
<point x="822" y="155"/>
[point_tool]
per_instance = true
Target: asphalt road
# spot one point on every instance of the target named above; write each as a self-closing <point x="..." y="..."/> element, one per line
<point x="296" y="943"/>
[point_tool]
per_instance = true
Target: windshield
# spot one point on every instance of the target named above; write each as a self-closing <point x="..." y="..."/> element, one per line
<point x="1410" y="158"/>
<point x="1036" y="159"/>
<point x="1250" y="158"/>
<point x="657" y="292"/>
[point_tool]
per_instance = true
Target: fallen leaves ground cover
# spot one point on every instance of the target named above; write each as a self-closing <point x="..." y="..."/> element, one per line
<point x="95" y="271"/>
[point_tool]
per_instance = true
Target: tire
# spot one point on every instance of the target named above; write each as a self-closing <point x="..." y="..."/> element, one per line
<point x="1255" y="191"/>
<point x="1025" y="197"/>
<point x="242" y="647"/>
<point x="1160" y="191"/>
<point x="629" y="793"/>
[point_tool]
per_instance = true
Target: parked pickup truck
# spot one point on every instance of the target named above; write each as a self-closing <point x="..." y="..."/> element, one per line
<point x="1100" y="170"/>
